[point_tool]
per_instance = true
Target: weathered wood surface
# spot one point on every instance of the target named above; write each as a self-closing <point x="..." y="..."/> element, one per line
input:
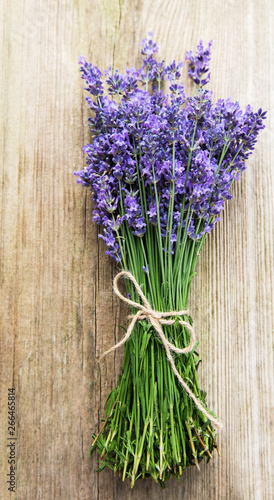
<point x="57" y="307"/>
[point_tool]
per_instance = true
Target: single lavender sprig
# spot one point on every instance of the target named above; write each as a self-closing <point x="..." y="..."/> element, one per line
<point x="198" y="65"/>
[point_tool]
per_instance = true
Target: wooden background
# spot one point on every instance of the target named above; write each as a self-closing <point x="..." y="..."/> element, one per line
<point x="57" y="307"/>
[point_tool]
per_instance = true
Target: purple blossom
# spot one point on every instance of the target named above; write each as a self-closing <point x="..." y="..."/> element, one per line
<point x="92" y="75"/>
<point x="198" y="65"/>
<point x="151" y="151"/>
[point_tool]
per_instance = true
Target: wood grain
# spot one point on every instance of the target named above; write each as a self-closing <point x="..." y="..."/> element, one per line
<point x="57" y="307"/>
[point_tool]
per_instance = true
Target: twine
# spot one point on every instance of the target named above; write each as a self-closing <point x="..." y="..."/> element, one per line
<point x="157" y="319"/>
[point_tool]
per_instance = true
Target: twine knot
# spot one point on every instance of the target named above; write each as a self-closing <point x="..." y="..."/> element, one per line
<point x="158" y="318"/>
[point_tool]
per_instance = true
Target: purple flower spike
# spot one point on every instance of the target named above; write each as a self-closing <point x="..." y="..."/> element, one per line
<point x="146" y="269"/>
<point x="198" y="65"/>
<point x="151" y="151"/>
<point x="92" y="75"/>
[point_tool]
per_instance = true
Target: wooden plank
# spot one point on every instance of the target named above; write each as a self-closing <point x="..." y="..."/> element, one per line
<point x="58" y="312"/>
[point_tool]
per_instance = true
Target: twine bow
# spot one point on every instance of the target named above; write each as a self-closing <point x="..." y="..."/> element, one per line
<point x="157" y="319"/>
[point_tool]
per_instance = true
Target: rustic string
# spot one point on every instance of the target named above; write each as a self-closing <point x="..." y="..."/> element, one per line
<point x="157" y="319"/>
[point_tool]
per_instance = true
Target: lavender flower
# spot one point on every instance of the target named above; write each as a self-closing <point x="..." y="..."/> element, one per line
<point x="92" y="75"/>
<point x="199" y="64"/>
<point x="160" y="167"/>
<point x="150" y="148"/>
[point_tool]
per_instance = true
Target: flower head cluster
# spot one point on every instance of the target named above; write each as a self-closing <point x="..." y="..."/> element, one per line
<point x="165" y="160"/>
<point x="199" y="64"/>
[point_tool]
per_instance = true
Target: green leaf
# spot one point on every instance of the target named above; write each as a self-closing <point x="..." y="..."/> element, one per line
<point x="111" y="400"/>
<point x="193" y="349"/>
<point x="102" y="467"/>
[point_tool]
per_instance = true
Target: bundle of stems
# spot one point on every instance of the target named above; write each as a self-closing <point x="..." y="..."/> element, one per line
<point x="152" y="427"/>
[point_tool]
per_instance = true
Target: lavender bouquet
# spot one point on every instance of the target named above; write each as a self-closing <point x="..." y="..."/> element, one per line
<point x="160" y="167"/>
